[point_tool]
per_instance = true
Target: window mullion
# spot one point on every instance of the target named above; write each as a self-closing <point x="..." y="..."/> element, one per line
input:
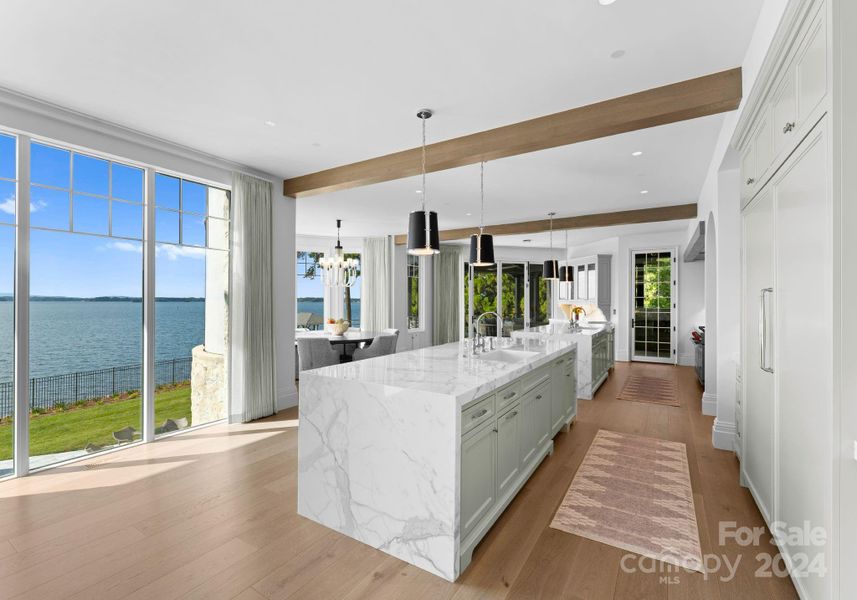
<point x="22" y="312"/>
<point x="149" y="308"/>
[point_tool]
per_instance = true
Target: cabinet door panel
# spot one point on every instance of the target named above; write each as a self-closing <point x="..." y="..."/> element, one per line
<point x="783" y="113"/>
<point x="748" y="172"/>
<point x="763" y="145"/>
<point x="758" y="238"/>
<point x="478" y="477"/>
<point x="542" y="403"/>
<point x="812" y="71"/>
<point x="529" y="427"/>
<point x="508" y="450"/>
<point x="803" y="350"/>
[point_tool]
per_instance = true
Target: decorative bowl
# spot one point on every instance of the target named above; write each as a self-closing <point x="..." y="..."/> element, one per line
<point x="339" y="328"/>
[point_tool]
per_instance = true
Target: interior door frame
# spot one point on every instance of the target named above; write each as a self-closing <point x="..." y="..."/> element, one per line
<point x="673" y="359"/>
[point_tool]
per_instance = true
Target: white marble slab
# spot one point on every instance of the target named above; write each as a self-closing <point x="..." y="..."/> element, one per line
<point x="379" y="446"/>
<point x="581" y="336"/>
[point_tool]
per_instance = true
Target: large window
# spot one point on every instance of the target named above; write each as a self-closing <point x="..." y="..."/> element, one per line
<point x="310" y="290"/>
<point x="191" y="287"/>
<point x="85" y="254"/>
<point x="414" y="295"/>
<point x="8" y="195"/>
<point x="86" y="295"/>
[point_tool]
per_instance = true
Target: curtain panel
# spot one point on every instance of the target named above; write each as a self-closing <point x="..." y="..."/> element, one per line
<point x="376" y="311"/>
<point x="252" y="366"/>
<point x="447" y="290"/>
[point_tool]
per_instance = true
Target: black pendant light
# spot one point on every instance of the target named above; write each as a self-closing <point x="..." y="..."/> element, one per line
<point x="566" y="273"/>
<point x="423" y="238"/>
<point x="550" y="269"/>
<point x="482" y="244"/>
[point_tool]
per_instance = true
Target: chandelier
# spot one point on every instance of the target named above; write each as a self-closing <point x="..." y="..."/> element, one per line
<point x="338" y="271"/>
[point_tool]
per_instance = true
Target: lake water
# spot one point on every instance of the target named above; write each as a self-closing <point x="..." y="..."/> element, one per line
<point x="316" y="306"/>
<point x="70" y="336"/>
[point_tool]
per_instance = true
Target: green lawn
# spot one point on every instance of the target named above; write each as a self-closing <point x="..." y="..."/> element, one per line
<point x="73" y="429"/>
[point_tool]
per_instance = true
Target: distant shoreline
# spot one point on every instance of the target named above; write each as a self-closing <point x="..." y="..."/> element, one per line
<point x="9" y="298"/>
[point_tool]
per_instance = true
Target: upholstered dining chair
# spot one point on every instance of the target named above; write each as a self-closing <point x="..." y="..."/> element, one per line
<point x="395" y="333"/>
<point x="380" y="346"/>
<point x="314" y="353"/>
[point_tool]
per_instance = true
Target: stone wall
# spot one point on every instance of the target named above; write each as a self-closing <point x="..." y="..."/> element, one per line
<point x="208" y="386"/>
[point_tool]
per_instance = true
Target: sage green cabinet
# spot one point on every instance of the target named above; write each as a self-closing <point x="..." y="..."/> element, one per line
<point x="508" y="450"/>
<point x="478" y="476"/>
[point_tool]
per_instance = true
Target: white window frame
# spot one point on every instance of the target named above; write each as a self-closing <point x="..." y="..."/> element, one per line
<point x="421" y="293"/>
<point x="21" y="457"/>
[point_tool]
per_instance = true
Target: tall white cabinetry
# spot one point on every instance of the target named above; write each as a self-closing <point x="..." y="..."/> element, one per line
<point x="790" y="160"/>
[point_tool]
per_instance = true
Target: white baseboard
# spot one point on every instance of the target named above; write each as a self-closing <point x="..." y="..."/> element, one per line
<point x="723" y="435"/>
<point x="287" y="400"/>
<point x="709" y="404"/>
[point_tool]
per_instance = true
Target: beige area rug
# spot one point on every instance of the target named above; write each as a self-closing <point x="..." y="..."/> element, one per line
<point x="634" y="493"/>
<point x="654" y="390"/>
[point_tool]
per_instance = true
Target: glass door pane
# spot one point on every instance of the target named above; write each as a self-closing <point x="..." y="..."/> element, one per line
<point x="484" y="298"/>
<point x="513" y="292"/>
<point x="592" y="282"/>
<point x="7" y="348"/>
<point x="86" y="323"/>
<point x="652" y="298"/>
<point x="191" y="314"/>
<point x="539" y="296"/>
<point x="581" y="282"/>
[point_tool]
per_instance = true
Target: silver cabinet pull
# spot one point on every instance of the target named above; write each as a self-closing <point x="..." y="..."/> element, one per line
<point x="514" y="413"/>
<point x="510" y="395"/>
<point x="539" y="397"/>
<point x="750" y="181"/>
<point x="788" y="127"/>
<point x="481" y="413"/>
<point x="763" y="330"/>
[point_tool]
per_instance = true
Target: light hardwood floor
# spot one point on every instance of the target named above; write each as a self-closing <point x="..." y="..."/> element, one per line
<point x="211" y="514"/>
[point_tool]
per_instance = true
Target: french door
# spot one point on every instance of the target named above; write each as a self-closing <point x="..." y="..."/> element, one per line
<point x="654" y="305"/>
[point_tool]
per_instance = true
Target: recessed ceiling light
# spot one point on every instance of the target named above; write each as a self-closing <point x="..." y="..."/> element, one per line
<point x="637" y="153"/>
<point x="644" y="191"/>
<point x="467" y="214"/>
<point x="270" y="124"/>
<point x="419" y="191"/>
<point x="617" y="54"/>
<point x="606" y="2"/>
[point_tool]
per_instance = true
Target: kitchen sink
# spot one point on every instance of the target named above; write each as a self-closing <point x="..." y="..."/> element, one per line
<point x="507" y="356"/>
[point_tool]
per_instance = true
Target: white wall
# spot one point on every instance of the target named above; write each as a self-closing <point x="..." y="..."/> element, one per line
<point x="719" y="197"/>
<point x="42" y="120"/>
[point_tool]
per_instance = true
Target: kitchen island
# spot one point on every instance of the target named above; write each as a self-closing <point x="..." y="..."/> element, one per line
<point x="418" y="453"/>
<point x="595" y="350"/>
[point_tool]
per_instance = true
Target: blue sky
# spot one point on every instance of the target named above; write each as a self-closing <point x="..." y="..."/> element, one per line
<point x="80" y="265"/>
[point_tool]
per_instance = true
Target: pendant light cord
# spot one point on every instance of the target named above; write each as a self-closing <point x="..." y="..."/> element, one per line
<point x="423" y="118"/>
<point x="482" y="195"/>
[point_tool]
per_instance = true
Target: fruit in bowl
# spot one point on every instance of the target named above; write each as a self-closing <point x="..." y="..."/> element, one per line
<point x="339" y="326"/>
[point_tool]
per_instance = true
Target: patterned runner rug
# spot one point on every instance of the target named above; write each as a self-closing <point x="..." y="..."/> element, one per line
<point x="655" y="390"/>
<point x="634" y="493"/>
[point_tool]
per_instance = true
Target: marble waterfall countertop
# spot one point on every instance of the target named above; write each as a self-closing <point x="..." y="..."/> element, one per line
<point x="380" y="443"/>
<point x="561" y="330"/>
<point x="445" y="369"/>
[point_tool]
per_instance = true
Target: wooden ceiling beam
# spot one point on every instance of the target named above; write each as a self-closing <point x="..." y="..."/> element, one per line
<point x="707" y="95"/>
<point x="624" y="217"/>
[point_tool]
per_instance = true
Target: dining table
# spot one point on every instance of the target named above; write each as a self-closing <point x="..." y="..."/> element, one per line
<point x="355" y="337"/>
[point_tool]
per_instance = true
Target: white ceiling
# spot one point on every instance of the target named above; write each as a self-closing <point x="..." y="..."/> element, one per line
<point x="342" y="80"/>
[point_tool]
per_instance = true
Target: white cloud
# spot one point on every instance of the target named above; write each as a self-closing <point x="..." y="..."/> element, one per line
<point x="177" y="252"/>
<point x="126" y="247"/>
<point x="8" y="205"/>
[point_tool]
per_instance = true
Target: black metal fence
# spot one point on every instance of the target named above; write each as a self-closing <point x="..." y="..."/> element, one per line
<point x="47" y="392"/>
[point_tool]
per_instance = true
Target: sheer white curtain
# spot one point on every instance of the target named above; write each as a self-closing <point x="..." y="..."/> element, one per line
<point x="251" y="306"/>
<point x="376" y="312"/>
<point x="447" y="294"/>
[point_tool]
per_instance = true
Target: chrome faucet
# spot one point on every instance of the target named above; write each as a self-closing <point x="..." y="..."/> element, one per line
<point x="478" y="338"/>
